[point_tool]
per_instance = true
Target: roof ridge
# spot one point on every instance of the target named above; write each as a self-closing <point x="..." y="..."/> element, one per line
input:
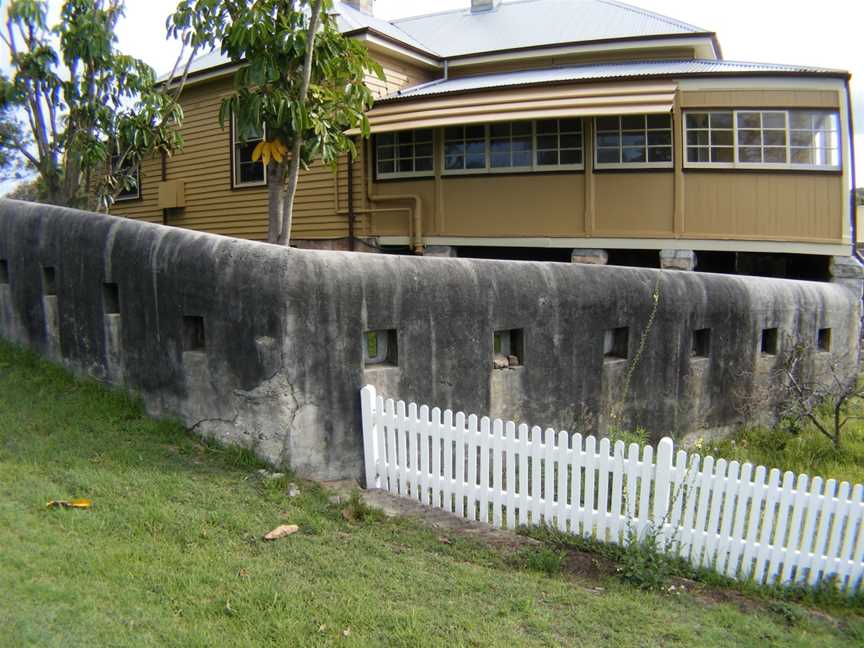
<point x="653" y="14"/>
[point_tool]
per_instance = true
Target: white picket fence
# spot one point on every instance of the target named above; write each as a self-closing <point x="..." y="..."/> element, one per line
<point x="716" y="514"/>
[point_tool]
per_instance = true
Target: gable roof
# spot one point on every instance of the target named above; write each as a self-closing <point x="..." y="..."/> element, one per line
<point x="604" y="72"/>
<point x="536" y="23"/>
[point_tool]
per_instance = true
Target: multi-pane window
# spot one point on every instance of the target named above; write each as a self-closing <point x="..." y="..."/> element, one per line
<point x="247" y="171"/>
<point x="644" y="140"/>
<point x="710" y="137"/>
<point x="513" y="146"/>
<point x="405" y="153"/>
<point x="510" y="145"/>
<point x="130" y="179"/>
<point x="814" y="138"/>
<point x="464" y="148"/>
<point x="559" y="142"/>
<point x="789" y="139"/>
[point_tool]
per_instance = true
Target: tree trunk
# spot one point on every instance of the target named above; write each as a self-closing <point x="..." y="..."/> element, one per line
<point x="275" y="199"/>
<point x="294" y="169"/>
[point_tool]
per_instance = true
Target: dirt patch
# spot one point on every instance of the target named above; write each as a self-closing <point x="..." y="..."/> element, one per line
<point x="587" y="566"/>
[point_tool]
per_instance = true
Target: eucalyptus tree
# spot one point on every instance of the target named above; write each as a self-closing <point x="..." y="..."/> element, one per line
<point x="75" y="110"/>
<point x="299" y="80"/>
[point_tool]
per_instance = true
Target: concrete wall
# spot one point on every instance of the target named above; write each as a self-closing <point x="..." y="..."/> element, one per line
<point x="282" y="360"/>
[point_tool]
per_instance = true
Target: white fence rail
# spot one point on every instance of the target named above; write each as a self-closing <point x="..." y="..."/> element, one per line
<point x="745" y="522"/>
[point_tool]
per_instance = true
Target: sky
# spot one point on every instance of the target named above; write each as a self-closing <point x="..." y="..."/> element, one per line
<point x="824" y="33"/>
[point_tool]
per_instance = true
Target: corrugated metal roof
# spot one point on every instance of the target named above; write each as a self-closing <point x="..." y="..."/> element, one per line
<point x="600" y="72"/>
<point x="533" y="23"/>
<point x="347" y="19"/>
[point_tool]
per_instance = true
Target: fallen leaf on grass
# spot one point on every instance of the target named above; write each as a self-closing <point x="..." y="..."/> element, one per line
<point x="75" y="503"/>
<point x="346" y="632"/>
<point x="445" y="540"/>
<point x="282" y="531"/>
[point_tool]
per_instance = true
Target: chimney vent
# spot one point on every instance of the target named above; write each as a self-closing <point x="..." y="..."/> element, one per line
<point x="479" y="6"/>
<point x="366" y="6"/>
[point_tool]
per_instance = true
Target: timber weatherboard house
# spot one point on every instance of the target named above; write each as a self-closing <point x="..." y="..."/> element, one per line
<point x="545" y="129"/>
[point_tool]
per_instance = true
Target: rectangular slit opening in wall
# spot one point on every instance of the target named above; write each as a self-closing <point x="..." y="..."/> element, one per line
<point x="823" y="339"/>
<point x="4" y="272"/>
<point x="49" y="280"/>
<point x="508" y="349"/>
<point x="380" y="348"/>
<point x="768" y="344"/>
<point x="616" y="343"/>
<point x="193" y="333"/>
<point x="701" y="343"/>
<point x="111" y="298"/>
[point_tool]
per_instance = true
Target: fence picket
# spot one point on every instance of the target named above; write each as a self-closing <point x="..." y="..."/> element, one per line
<point x="791" y="531"/>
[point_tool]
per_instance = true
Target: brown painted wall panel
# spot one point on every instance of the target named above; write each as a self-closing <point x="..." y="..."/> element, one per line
<point x="757" y="98"/>
<point x="766" y="206"/>
<point x="634" y="204"/>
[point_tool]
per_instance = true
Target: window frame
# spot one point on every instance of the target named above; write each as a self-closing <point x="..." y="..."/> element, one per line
<point x="129" y="196"/>
<point x="534" y="167"/>
<point x="234" y="143"/>
<point x="632" y="166"/>
<point x="736" y="164"/>
<point x="402" y="175"/>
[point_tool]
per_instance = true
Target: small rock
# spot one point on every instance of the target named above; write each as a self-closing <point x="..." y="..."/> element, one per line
<point x="514" y="361"/>
<point x="500" y="361"/>
<point x="293" y="491"/>
<point x="346" y="632"/>
<point x="275" y="475"/>
<point x="282" y="531"/>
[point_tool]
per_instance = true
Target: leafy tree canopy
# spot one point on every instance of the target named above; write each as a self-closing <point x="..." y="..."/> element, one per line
<point x="75" y="110"/>
<point x="300" y="78"/>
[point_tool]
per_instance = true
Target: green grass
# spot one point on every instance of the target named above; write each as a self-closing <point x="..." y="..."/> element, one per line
<point x="171" y="554"/>
<point x="807" y="451"/>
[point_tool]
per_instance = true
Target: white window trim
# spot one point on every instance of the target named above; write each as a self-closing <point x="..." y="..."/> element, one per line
<point x="761" y="166"/>
<point x="634" y="165"/>
<point x="401" y="175"/>
<point x="532" y="168"/>
<point x="234" y="176"/>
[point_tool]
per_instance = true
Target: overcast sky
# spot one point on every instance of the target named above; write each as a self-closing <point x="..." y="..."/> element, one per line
<point x="825" y="33"/>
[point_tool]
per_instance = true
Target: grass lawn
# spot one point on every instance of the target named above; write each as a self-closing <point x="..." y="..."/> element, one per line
<point x="171" y="554"/>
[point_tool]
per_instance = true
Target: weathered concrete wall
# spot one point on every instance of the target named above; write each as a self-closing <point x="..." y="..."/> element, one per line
<point x="282" y="362"/>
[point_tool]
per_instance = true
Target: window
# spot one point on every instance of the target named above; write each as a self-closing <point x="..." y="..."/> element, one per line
<point x="508" y="349"/>
<point x="616" y="343"/>
<point x="464" y="149"/>
<point x="247" y="172"/>
<point x="510" y="145"/>
<point x="631" y="140"/>
<point x="131" y="181"/>
<point x="701" y="343"/>
<point x="823" y="339"/>
<point x="380" y="348"/>
<point x="548" y="145"/>
<point x="193" y="333"/>
<point x="768" y="344"/>
<point x="559" y="143"/>
<point x="404" y="154"/>
<point x="773" y="139"/>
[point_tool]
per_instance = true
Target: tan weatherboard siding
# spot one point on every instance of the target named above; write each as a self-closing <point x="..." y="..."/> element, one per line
<point x="399" y="74"/>
<point x="205" y="166"/>
<point x="760" y="98"/>
<point x="634" y="204"/>
<point x="764" y="206"/>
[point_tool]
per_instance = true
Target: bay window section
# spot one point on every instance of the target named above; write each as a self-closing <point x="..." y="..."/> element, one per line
<point x="633" y="141"/>
<point x="763" y="139"/>
<point x="405" y="154"/>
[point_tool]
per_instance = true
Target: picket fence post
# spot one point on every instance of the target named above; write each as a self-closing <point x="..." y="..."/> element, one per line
<point x="371" y="450"/>
<point x="662" y="484"/>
